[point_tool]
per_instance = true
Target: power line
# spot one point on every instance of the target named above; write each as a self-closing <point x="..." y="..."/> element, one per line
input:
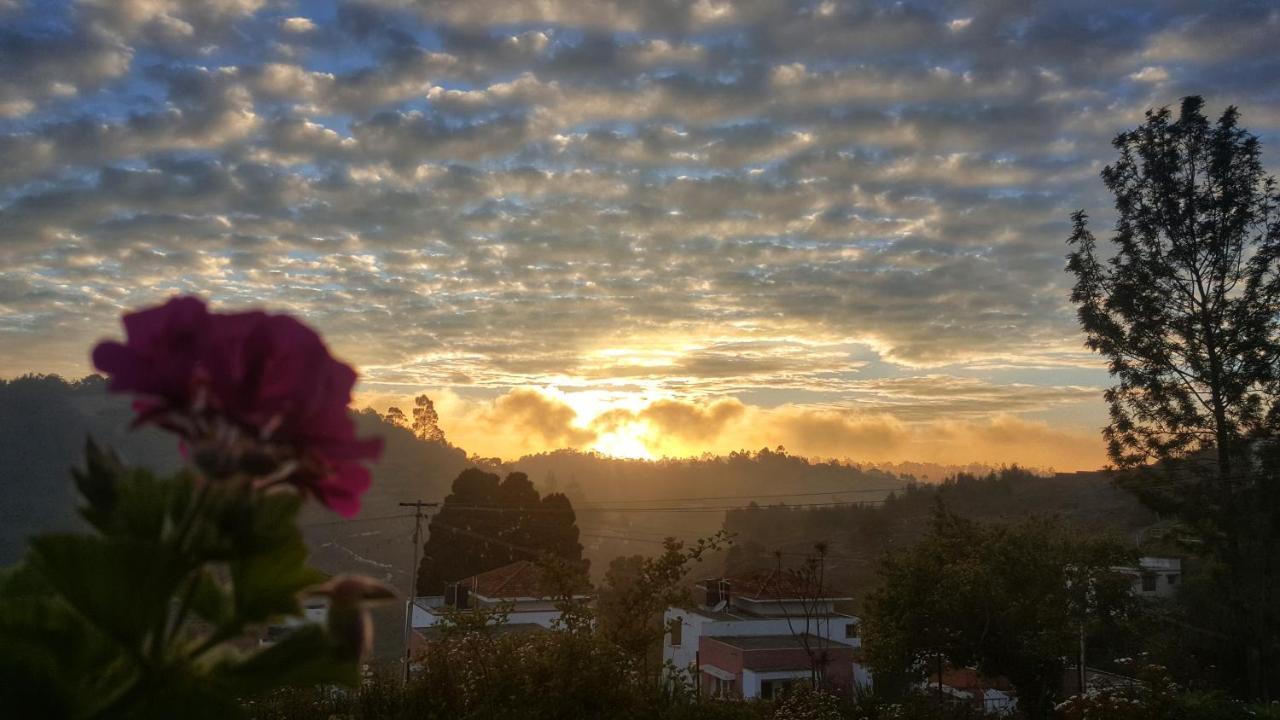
<point x="353" y="520"/>
<point x="749" y="497"/>
<point x="694" y="508"/>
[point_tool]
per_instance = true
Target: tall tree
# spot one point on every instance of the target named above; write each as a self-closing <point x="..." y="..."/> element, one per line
<point x="485" y="523"/>
<point x="426" y="422"/>
<point x="1186" y="312"/>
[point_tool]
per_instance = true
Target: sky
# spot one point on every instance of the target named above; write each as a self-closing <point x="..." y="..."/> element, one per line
<point x="643" y="227"/>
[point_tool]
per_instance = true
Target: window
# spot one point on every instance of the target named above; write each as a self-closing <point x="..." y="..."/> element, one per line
<point x="851" y="630"/>
<point x="677" y="632"/>
<point x="1173" y="578"/>
<point x="724" y="688"/>
<point x="770" y="689"/>
<point x="1148" y="582"/>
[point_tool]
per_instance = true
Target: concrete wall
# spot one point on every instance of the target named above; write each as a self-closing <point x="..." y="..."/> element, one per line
<point x="686" y="654"/>
<point x="694" y="626"/>
<point x="751" y="667"/>
<point x="425" y="618"/>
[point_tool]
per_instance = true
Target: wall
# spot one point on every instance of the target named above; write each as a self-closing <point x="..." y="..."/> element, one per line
<point x="692" y="626"/>
<point x="423" y="618"/>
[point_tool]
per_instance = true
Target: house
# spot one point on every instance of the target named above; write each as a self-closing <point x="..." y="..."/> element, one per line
<point x="966" y="686"/>
<point x="750" y="636"/>
<point x="518" y="590"/>
<point x="1155" y="577"/>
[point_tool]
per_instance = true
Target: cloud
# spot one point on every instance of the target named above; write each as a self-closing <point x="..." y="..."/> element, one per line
<point x="852" y="210"/>
<point x="297" y="25"/>
<point x="528" y="420"/>
<point x="40" y="67"/>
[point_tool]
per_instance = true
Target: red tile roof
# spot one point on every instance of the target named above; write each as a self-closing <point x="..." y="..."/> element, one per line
<point x="520" y="579"/>
<point x="971" y="680"/>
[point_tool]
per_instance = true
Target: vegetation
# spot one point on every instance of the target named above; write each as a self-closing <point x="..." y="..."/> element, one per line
<point x="147" y="614"/>
<point x="859" y="535"/>
<point x="638" y="590"/>
<point x="485" y="523"/>
<point x="1010" y="600"/>
<point x="1186" y="315"/>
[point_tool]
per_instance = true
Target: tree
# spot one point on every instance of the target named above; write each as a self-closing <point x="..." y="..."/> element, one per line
<point x="426" y="422"/>
<point x="485" y="523"/>
<point x="806" y="584"/>
<point x="1186" y="314"/>
<point x="1006" y="599"/>
<point x="638" y="589"/>
<point x="396" y="416"/>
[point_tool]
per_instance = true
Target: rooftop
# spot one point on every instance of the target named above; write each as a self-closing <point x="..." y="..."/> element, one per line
<point x="777" y="642"/>
<point x="732" y="614"/>
<point x="517" y="628"/>
<point x="520" y="579"/>
<point x="970" y="680"/>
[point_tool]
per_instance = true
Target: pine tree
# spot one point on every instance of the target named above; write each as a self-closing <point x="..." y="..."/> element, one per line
<point x="1186" y="312"/>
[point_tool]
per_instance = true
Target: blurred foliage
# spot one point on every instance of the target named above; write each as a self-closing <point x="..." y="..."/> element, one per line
<point x="145" y="616"/>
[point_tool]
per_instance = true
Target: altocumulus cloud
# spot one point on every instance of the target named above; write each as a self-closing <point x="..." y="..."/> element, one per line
<point x="838" y="224"/>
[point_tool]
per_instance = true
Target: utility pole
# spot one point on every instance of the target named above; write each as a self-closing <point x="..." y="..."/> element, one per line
<point x="1083" y="676"/>
<point x="417" y="506"/>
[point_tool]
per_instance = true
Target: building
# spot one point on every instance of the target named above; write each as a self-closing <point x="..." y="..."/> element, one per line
<point x="966" y="686"/>
<point x="1155" y="577"/>
<point x="517" y="589"/>
<point x="751" y="636"/>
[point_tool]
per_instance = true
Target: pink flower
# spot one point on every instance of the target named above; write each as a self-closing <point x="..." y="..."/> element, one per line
<point x="249" y="393"/>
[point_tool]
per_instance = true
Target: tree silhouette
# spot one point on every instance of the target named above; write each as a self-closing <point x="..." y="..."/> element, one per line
<point x="396" y="416"/>
<point x="1185" y="311"/>
<point x="426" y="422"/>
<point x="1186" y="314"/>
<point x="485" y="523"/>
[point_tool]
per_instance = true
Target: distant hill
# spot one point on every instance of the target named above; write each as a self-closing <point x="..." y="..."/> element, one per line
<point x="620" y="502"/>
<point x="858" y="536"/>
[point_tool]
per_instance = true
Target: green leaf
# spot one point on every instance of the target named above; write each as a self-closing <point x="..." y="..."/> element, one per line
<point x="53" y="661"/>
<point x="306" y="656"/>
<point x="145" y="505"/>
<point x="267" y="584"/>
<point x="274" y="522"/>
<point x="97" y="482"/>
<point x="211" y="601"/>
<point x="118" y="584"/>
<point x="270" y="569"/>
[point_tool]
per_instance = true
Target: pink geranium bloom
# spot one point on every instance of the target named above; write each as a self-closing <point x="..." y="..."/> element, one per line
<point x="268" y="378"/>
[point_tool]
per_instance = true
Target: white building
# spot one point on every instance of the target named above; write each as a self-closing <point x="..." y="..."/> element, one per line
<point x="518" y="589"/>
<point x="1155" y="577"/>
<point x="750" y="636"/>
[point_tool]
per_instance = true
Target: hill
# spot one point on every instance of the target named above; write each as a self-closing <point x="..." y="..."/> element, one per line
<point x="859" y="535"/>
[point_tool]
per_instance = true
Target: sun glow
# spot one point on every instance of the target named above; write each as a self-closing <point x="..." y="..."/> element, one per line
<point x="626" y="442"/>
<point x="622" y="438"/>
